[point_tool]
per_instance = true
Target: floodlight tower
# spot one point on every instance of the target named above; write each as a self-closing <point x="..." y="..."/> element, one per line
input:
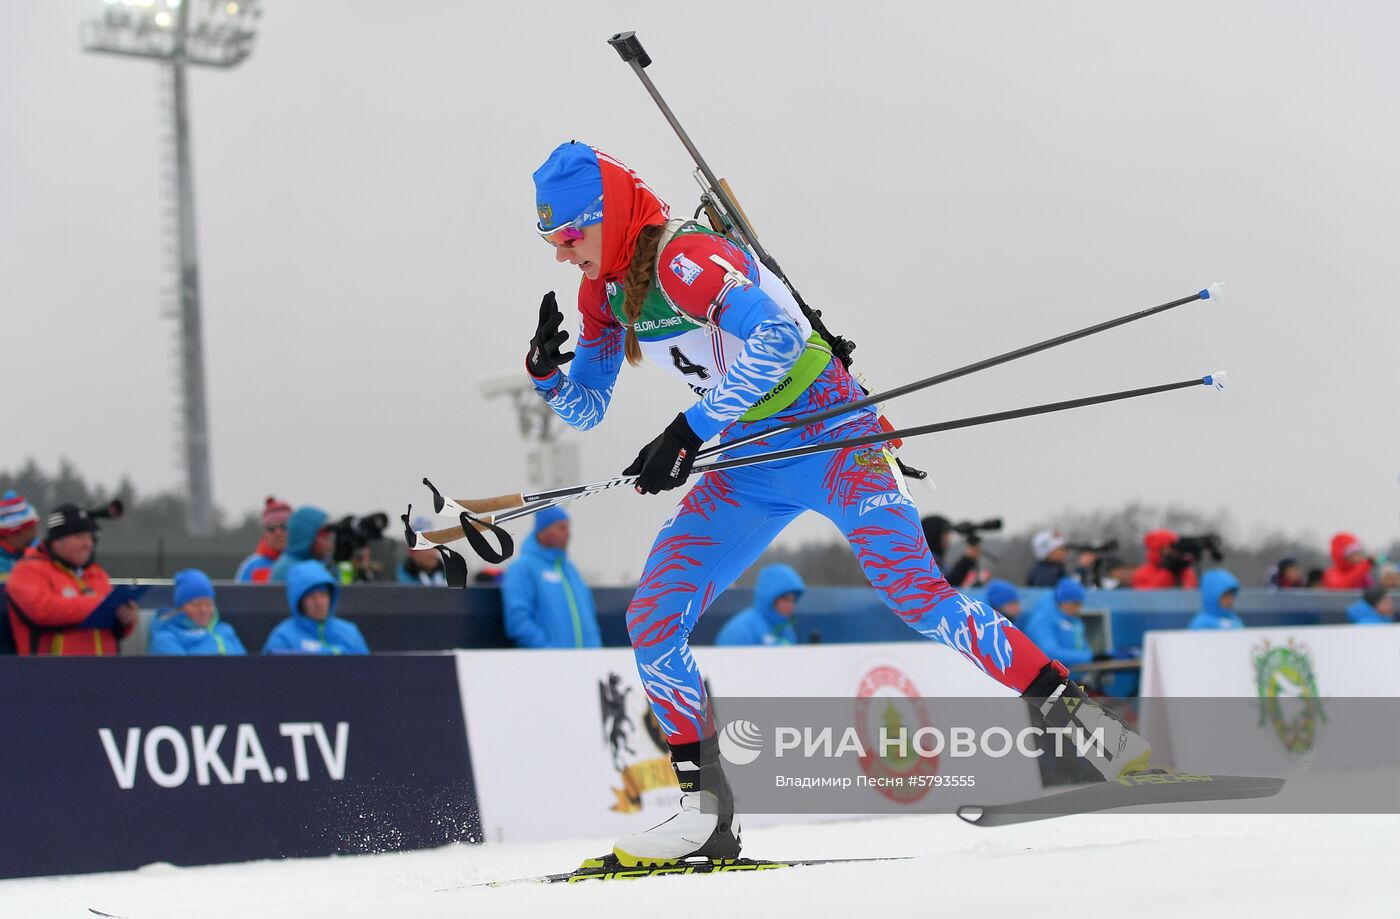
<point x="209" y="33"/>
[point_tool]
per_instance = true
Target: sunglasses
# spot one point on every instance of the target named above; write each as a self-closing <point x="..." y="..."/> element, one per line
<point x="571" y="232"/>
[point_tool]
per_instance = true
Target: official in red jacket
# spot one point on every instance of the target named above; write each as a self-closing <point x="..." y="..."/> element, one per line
<point x="55" y="591"/>
<point x="1351" y="568"/>
<point x="1164" y="568"/>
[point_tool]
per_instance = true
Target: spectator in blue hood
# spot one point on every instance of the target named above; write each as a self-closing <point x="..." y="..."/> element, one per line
<point x="1219" y="588"/>
<point x="1054" y="625"/>
<point x="1376" y="607"/>
<point x="1003" y="597"/>
<point x="193" y="626"/>
<point x="769" y="620"/>
<point x="547" y="604"/>
<point x="313" y="627"/>
<point x="308" y="538"/>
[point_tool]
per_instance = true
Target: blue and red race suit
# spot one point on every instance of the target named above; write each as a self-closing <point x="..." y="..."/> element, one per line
<point x="733" y="334"/>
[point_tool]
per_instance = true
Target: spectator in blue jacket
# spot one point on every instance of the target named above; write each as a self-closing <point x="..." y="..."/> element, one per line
<point x="547" y="605"/>
<point x="1376" y="607"/>
<point x="1219" y="588"/>
<point x="256" y="567"/>
<point x="308" y="538"/>
<point x="313" y="627"/>
<point x="1003" y="597"/>
<point x="769" y="620"/>
<point x="1055" y="627"/>
<point x="193" y="626"/>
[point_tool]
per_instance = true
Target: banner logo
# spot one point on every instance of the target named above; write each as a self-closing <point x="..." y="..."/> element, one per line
<point x="643" y="774"/>
<point x="888" y="701"/>
<point x="169" y="757"/>
<point x="1288" y="696"/>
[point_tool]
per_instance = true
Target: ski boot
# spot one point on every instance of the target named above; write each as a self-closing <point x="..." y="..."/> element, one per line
<point x="1062" y="703"/>
<point x="705" y="827"/>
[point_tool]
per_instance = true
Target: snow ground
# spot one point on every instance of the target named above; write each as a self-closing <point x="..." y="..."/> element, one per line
<point x="1136" y="866"/>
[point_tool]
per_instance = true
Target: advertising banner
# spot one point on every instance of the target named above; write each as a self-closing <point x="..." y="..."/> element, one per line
<point x="1277" y="701"/>
<point x="564" y="744"/>
<point x="113" y="763"/>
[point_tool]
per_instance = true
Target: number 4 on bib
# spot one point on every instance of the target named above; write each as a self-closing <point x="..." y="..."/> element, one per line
<point x="686" y="366"/>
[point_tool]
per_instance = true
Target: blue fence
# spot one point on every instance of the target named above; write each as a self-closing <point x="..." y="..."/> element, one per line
<point x="400" y="618"/>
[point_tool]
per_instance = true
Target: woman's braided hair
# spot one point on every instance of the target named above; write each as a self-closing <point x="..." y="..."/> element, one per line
<point x="637" y="285"/>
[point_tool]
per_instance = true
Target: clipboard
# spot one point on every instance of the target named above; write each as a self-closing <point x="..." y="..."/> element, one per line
<point x="105" y="616"/>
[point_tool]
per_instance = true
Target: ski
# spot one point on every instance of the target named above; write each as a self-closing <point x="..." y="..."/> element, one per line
<point x="1137" y="790"/>
<point x="608" y="868"/>
<point x="98" y="912"/>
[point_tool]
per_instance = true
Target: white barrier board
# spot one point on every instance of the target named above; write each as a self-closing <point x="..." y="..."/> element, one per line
<point x="560" y="740"/>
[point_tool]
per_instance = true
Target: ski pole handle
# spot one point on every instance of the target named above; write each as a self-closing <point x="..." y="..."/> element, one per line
<point x="474" y="506"/>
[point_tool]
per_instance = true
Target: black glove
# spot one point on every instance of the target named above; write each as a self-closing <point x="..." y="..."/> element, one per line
<point x="665" y="463"/>
<point x="544" y="357"/>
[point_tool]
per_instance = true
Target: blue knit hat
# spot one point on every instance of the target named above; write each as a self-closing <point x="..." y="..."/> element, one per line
<point x="191" y="584"/>
<point x="568" y="184"/>
<point x="548" y="517"/>
<point x="1000" y="593"/>
<point x="1069" y="591"/>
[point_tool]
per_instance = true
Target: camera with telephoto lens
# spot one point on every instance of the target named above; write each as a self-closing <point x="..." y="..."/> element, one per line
<point x="1188" y="550"/>
<point x="355" y="533"/>
<point x="968" y="529"/>
<point x="1103" y="548"/>
<point x="109" y="511"/>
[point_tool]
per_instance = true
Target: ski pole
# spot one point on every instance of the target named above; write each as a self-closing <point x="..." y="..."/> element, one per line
<point x="473" y="526"/>
<point x="506" y="502"/>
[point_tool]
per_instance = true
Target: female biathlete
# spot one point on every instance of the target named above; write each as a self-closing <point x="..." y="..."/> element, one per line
<point x="703" y="307"/>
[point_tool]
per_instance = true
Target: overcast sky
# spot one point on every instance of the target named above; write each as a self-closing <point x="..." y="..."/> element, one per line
<point x="946" y="180"/>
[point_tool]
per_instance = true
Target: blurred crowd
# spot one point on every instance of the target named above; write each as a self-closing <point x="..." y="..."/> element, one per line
<point x="58" y="599"/>
<point x="1170" y="561"/>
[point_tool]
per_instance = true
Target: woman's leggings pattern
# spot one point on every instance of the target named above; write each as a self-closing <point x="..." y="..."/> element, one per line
<point x="726" y="521"/>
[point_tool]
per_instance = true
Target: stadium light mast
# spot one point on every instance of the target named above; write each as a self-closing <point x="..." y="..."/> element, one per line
<point x="207" y="33"/>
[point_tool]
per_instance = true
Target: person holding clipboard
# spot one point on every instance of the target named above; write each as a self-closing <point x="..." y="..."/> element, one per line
<point x="60" y="600"/>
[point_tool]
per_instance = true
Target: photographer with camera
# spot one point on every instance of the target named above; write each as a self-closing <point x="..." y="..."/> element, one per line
<point x="938" y="533"/>
<point x="1170" y="559"/>
<point x="1051" y="550"/>
<point x="309" y="538"/>
<point x="352" y="558"/>
<point x="968" y="572"/>
<point x="1351" y="567"/>
<point x="55" y="594"/>
<point x="1089" y="563"/>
